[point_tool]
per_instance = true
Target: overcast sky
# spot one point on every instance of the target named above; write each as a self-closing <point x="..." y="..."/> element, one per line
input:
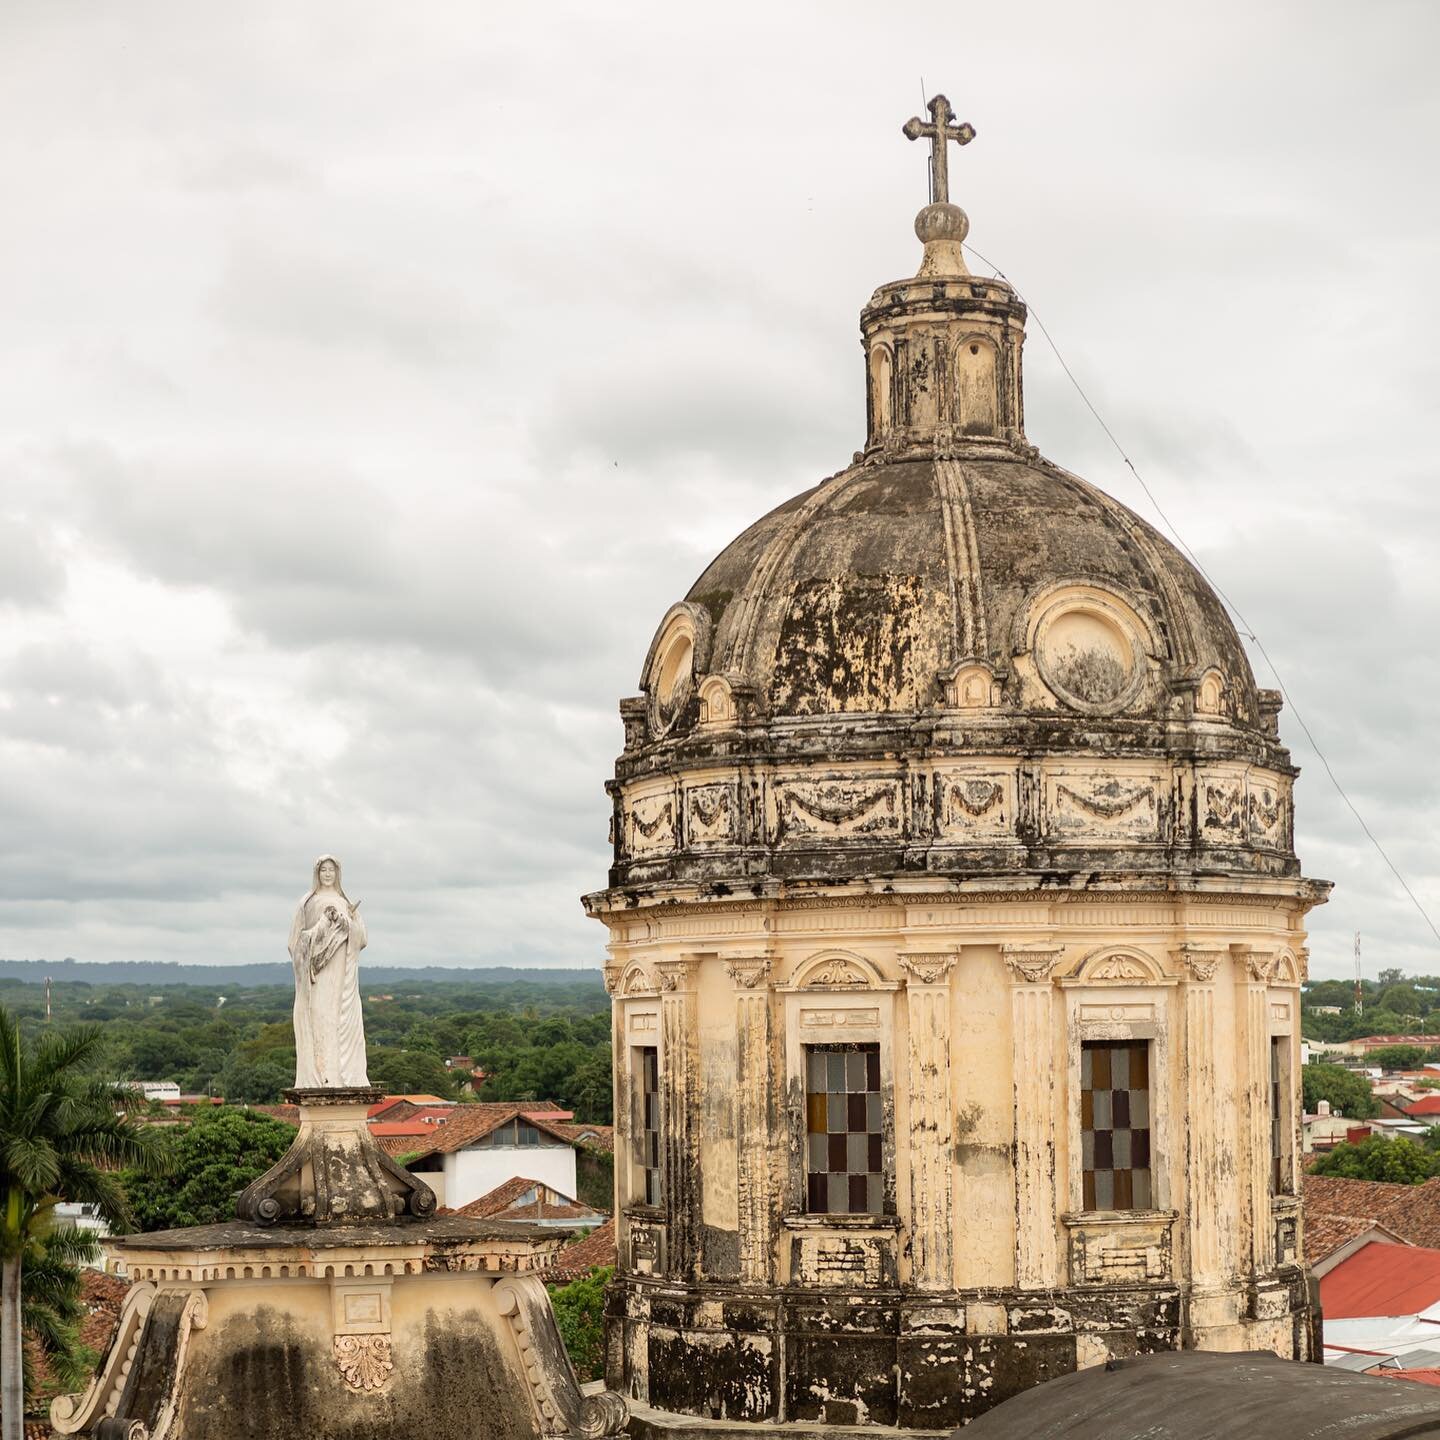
<point x="372" y="378"/>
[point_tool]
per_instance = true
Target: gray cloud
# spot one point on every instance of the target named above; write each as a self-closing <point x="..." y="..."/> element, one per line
<point x="371" y="390"/>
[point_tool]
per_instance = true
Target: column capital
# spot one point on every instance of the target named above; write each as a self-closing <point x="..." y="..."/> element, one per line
<point x="612" y="978"/>
<point x="749" y="972"/>
<point x="1032" y="964"/>
<point x="1260" y="962"/>
<point x="928" y="967"/>
<point x="1199" y="962"/>
<point x="677" y="974"/>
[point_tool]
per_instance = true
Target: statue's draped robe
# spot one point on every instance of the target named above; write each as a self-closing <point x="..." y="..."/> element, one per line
<point x="329" y="1029"/>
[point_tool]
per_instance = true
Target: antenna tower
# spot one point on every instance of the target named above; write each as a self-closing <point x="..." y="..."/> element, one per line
<point x="1359" y="996"/>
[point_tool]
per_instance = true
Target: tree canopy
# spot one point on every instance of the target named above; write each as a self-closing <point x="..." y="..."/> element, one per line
<point x="1402" y="1057"/>
<point x="537" y="1037"/>
<point x="1400" y="1161"/>
<point x="219" y="1153"/>
<point x="1347" y="1092"/>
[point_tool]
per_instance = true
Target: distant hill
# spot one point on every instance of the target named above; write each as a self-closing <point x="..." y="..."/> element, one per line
<point x="157" y="972"/>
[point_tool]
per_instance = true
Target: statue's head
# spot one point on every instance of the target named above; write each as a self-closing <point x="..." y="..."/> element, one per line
<point x="327" y="872"/>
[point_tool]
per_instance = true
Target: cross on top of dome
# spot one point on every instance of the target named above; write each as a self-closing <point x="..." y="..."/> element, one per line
<point x="939" y="132"/>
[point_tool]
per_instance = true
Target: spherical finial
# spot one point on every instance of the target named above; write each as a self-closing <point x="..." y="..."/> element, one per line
<point x="942" y="221"/>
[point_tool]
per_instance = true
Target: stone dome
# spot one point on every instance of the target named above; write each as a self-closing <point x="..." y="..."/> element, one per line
<point x="868" y="593"/>
<point x="953" y="657"/>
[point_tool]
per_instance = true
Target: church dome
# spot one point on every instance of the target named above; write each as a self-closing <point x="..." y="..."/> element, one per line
<point x="870" y="592"/>
<point x="953" y="656"/>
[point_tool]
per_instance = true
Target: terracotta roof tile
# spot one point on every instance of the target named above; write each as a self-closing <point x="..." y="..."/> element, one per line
<point x="1411" y="1211"/>
<point x="1325" y="1234"/>
<point x="474" y="1122"/>
<point x="580" y="1257"/>
<point x="593" y="1137"/>
<point x="103" y="1297"/>
<point x="523" y="1199"/>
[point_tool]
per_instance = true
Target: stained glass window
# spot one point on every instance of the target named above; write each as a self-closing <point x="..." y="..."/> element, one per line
<point x="648" y="1066"/>
<point x="1115" y="1124"/>
<point x="844" y="1151"/>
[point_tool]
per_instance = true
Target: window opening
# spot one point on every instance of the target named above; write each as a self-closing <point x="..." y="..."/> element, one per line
<point x="649" y="1064"/>
<point x="844" y="1124"/>
<point x="1115" y="1124"/>
<point x="1279" y="1114"/>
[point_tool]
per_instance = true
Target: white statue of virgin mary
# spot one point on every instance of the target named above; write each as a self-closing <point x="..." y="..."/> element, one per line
<point x="326" y="939"/>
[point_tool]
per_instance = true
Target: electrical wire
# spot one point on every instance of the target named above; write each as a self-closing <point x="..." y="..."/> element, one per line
<point x="1246" y="629"/>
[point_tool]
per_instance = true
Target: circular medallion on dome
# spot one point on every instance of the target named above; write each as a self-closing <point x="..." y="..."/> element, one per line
<point x="1088" y="652"/>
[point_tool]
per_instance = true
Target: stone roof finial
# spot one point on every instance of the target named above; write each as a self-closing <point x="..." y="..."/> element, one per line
<point x="941" y="226"/>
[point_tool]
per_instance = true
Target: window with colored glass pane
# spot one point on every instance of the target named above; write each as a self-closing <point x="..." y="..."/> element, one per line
<point x="648" y="1073"/>
<point x="844" y="1151"/>
<point x="1115" y="1124"/>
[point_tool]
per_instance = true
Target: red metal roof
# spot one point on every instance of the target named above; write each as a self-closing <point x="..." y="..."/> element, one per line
<point x="1426" y="1105"/>
<point x="1382" y="1280"/>
<point x="1424" y="1376"/>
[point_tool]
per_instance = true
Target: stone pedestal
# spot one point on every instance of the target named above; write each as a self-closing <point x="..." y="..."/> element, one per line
<point x="334" y="1171"/>
<point x="438" y="1327"/>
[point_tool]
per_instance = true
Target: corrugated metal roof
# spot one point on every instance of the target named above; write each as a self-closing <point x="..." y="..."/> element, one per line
<point x="1382" y="1280"/>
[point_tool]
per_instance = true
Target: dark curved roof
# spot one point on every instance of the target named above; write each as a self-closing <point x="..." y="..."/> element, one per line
<point x="1194" y="1395"/>
<point x="854" y="596"/>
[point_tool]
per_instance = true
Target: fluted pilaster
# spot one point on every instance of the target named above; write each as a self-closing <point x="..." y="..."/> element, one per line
<point x="1037" y="1250"/>
<point x="932" y="1162"/>
<point x="753" y="1177"/>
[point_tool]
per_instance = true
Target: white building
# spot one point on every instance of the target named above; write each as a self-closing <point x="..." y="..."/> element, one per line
<point x="483" y="1146"/>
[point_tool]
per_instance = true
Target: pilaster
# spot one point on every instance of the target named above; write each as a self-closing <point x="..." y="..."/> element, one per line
<point x="1037" y="1251"/>
<point x="753" y="1140"/>
<point x="679" y="1096"/>
<point x="932" y="1164"/>
<point x="1209" y="1231"/>
<point x="1254" y="972"/>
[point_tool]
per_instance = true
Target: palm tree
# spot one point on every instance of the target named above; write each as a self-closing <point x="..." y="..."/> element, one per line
<point x="51" y="1307"/>
<point x="64" y="1133"/>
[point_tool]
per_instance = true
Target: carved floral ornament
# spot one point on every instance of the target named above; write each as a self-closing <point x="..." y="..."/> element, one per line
<point x="928" y="969"/>
<point x="1200" y="962"/>
<point x="1116" y="964"/>
<point x="749" y="972"/>
<point x="675" y="974"/>
<point x="1032" y="964"/>
<point x="366" y="1361"/>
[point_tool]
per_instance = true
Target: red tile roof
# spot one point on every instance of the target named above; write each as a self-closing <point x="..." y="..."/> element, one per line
<point x="288" y="1113"/>
<point x="1411" y="1211"/>
<point x="102" y="1296"/>
<point x="418" y="1101"/>
<point x="1325" y="1234"/>
<point x="1425" y="1105"/>
<point x="580" y="1257"/>
<point x="470" y="1123"/>
<point x="593" y="1137"/>
<point x="1382" y="1280"/>
<point x="523" y="1199"/>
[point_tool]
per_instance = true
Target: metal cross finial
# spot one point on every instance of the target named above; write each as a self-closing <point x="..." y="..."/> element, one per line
<point x="939" y="132"/>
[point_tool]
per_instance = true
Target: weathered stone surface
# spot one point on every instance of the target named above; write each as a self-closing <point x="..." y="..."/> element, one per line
<point x="955" y="757"/>
<point x="1195" y="1396"/>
